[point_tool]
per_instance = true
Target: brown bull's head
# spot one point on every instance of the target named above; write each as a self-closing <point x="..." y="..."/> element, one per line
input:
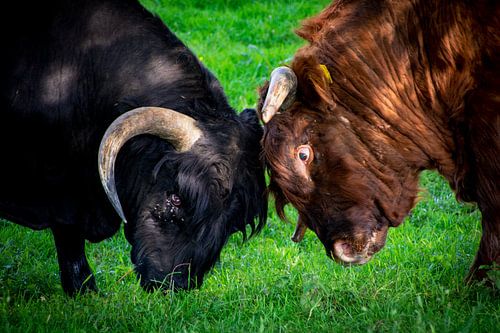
<point x="347" y="182"/>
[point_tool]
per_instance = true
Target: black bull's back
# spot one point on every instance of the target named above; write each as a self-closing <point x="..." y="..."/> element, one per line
<point x="67" y="75"/>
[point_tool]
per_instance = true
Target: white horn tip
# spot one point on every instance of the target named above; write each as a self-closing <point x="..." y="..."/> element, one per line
<point x="267" y="115"/>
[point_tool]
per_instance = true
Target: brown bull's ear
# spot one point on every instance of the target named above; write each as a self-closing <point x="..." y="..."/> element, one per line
<point x="313" y="78"/>
<point x="311" y="28"/>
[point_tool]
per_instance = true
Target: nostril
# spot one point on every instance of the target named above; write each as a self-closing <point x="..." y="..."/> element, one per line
<point x="346" y="247"/>
<point x="342" y="248"/>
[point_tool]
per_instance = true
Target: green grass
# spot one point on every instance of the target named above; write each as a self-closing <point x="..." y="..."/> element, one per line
<point x="269" y="284"/>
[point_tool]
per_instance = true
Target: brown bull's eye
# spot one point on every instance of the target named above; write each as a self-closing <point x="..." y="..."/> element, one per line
<point x="305" y="153"/>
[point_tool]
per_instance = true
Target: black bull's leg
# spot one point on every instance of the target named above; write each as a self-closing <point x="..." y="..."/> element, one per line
<point x="76" y="276"/>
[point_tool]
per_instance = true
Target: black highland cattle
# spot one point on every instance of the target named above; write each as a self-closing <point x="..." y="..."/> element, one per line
<point x="88" y="81"/>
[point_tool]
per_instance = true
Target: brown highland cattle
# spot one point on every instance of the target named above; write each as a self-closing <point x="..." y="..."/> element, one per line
<point x="382" y="91"/>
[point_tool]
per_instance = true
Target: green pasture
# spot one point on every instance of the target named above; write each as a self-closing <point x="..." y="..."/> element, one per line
<point x="269" y="283"/>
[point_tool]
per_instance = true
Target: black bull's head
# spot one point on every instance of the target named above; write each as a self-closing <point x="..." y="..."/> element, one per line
<point x="181" y="208"/>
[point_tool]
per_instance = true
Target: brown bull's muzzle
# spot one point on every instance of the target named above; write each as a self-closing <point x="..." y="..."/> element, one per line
<point x="351" y="252"/>
<point x="345" y="252"/>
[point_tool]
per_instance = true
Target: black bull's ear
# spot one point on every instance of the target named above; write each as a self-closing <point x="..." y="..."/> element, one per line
<point x="250" y="118"/>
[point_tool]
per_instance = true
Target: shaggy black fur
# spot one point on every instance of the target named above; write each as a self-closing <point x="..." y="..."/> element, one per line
<point x="67" y="75"/>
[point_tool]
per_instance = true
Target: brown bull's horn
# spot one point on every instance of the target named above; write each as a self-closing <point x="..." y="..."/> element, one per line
<point x="281" y="92"/>
<point x="300" y="231"/>
<point x="180" y="130"/>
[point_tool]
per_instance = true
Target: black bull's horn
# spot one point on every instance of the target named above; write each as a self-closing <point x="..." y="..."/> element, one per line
<point x="178" y="129"/>
<point x="281" y="92"/>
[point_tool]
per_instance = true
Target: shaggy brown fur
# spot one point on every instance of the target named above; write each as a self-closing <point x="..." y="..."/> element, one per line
<point x="414" y="85"/>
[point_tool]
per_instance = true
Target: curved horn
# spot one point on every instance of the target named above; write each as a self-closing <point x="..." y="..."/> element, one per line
<point x="180" y="130"/>
<point x="281" y="92"/>
<point x="300" y="231"/>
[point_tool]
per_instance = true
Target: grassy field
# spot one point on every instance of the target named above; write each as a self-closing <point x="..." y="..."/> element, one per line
<point x="268" y="284"/>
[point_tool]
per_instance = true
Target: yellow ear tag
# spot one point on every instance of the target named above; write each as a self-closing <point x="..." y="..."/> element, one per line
<point x="326" y="72"/>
